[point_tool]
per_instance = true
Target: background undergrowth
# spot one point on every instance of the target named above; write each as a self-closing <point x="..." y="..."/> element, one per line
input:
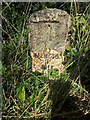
<point x="31" y="95"/>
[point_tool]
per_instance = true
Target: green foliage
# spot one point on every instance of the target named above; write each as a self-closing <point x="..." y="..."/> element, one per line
<point x="21" y="93"/>
<point x="54" y="73"/>
<point x="31" y="94"/>
<point x="68" y="48"/>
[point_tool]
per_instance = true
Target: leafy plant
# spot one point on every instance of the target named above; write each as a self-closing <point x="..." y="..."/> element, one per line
<point x="31" y="95"/>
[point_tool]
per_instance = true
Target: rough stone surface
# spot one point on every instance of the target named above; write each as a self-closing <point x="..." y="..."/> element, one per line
<point x="50" y="59"/>
<point x="49" y="30"/>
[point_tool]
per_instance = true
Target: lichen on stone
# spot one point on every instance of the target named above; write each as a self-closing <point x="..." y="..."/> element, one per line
<point x="49" y="31"/>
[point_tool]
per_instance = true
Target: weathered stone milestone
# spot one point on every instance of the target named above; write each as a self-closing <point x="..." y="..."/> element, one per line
<point x="48" y="37"/>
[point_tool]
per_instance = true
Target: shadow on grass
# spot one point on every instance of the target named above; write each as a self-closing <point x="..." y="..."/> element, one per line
<point x="64" y="106"/>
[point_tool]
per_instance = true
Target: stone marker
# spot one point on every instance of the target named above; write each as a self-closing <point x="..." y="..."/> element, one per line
<point x="48" y="37"/>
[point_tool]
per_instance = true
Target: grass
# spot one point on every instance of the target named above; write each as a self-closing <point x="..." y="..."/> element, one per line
<point x="31" y="95"/>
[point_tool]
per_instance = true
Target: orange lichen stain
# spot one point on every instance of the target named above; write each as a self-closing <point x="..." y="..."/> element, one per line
<point x="46" y="60"/>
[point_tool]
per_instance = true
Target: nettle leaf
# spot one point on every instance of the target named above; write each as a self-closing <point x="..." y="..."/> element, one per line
<point x="77" y="17"/>
<point x="55" y="69"/>
<point x="83" y="20"/>
<point x="31" y="97"/>
<point x="53" y="74"/>
<point x="68" y="48"/>
<point x="82" y="28"/>
<point x="21" y="93"/>
<point x="27" y="26"/>
<point x="86" y="49"/>
<point x="50" y="70"/>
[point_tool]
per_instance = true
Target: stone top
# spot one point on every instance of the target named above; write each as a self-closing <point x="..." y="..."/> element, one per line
<point x="49" y="29"/>
<point x="48" y="15"/>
